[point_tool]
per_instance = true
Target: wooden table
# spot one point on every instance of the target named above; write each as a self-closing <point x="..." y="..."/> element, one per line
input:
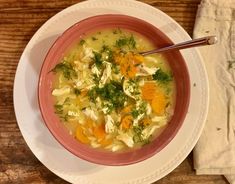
<point x="19" y="20"/>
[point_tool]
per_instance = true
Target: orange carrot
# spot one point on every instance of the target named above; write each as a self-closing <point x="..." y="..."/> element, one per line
<point x="106" y="142"/>
<point x="138" y="59"/>
<point x="148" y="90"/>
<point x="129" y="63"/>
<point x="126" y="122"/>
<point x="126" y="110"/>
<point x="84" y="92"/>
<point x="159" y="103"/>
<point x="89" y="123"/>
<point x="99" y="132"/>
<point x="81" y="136"/>
<point x="118" y="59"/>
<point x="146" y="121"/>
<point x="128" y="69"/>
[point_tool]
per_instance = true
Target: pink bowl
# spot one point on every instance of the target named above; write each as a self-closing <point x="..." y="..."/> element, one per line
<point x="56" y="53"/>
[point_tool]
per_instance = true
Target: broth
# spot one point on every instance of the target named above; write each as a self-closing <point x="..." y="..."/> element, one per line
<point x="110" y="97"/>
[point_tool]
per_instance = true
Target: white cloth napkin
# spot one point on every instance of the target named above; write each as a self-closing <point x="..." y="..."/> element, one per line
<point x="215" y="150"/>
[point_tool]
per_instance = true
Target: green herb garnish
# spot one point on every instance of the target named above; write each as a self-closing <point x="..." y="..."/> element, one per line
<point x="138" y="133"/>
<point x="66" y="69"/>
<point x="115" y="68"/>
<point x="58" y="109"/>
<point x="96" y="79"/>
<point x="126" y="41"/>
<point x="67" y="101"/>
<point x="65" y="118"/>
<point x="141" y="110"/>
<point x="97" y="59"/>
<point x="111" y="92"/>
<point x="231" y="64"/>
<point x="94" y="38"/>
<point x="138" y="136"/>
<point x="135" y="113"/>
<point x="132" y="42"/>
<point x="77" y="91"/>
<point x="162" y="76"/>
<point x="109" y="106"/>
<point x="134" y="84"/>
<point x="116" y="31"/>
<point x="107" y="53"/>
<point x="121" y="42"/>
<point x="82" y="42"/>
<point x="92" y="93"/>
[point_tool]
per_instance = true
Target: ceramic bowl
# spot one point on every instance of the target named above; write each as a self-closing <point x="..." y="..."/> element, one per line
<point x="56" y="53"/>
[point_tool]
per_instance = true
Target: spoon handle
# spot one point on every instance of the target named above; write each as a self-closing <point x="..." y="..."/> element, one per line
<point x="209" y="40"/>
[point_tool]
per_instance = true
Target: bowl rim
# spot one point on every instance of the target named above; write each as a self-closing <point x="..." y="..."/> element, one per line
<point x="167" y="141"/>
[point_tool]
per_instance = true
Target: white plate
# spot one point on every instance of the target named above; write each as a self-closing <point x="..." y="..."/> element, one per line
<point x="62" y="162"/>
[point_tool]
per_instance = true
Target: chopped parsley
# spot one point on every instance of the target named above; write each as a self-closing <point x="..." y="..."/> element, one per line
<point x="133" y="83"/>
<point x="138" y="136"/>
<point x="126" y="41"/>
<point x="135" y="113"/>
<point x="121" y="42"/>
<point x="116" y="31"/>
<point x="65" y="117"/>
<point x="231" y="64"/>
<point x="58" y="109"/>
<point x="162" y="76"/>
<point x="107" y="53"/>
<point x="132" y="42"/>
<point x="92" y="93"/>
<point x="97" y="59"/>
<point x="77" y="91"/>
<point x="67" y="101"/>
<point x="111" y="92"/>
<point x="82" y="42"/>
<point x="96" y="79"/>
<point x="94" y="38"/>
<point x="66" y="69"/>
<point x="140" y="110"/>
<point x="115" y="68"/>
<point x="109" y="106"/>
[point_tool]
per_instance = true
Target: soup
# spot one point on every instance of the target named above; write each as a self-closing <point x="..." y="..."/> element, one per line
<point x="110" y="97"/>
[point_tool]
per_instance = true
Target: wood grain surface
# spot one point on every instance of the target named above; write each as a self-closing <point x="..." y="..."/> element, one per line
<point x="19" y="20"/>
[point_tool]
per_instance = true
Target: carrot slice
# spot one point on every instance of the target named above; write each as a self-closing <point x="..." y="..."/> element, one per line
<point x="129" y="63"/>
<point x="146" y="121"/>
<point x="159" y="103"/>
<point x="99" y="131"/>
<point x="138" y="58"/>
<point x="126" y="121"/>
<point x="118" y="59"/>
<point x="126" y="110"/>
<point x="84" y="92"/>
<point x="148" y="90"/>
<point x="89" y="123"/>
<point x="81" y="136"/>
<point x="128" y="69"/>
<point x="106" y="142"/>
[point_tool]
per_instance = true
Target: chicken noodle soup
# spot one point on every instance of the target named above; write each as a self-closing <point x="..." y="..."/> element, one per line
<point x="108" y="96"/>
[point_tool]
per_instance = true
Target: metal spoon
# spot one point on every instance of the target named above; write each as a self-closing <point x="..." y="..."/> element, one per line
<point x="209" y="40"/>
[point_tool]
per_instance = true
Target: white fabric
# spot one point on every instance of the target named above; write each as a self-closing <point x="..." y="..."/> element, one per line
<point x="215" y="150"/>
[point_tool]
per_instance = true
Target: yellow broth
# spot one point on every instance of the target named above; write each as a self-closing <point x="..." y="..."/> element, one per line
<point x="110" y="97"/>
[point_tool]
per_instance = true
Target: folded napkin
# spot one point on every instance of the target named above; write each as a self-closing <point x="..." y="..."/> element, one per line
<point x="215" y="150"/>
